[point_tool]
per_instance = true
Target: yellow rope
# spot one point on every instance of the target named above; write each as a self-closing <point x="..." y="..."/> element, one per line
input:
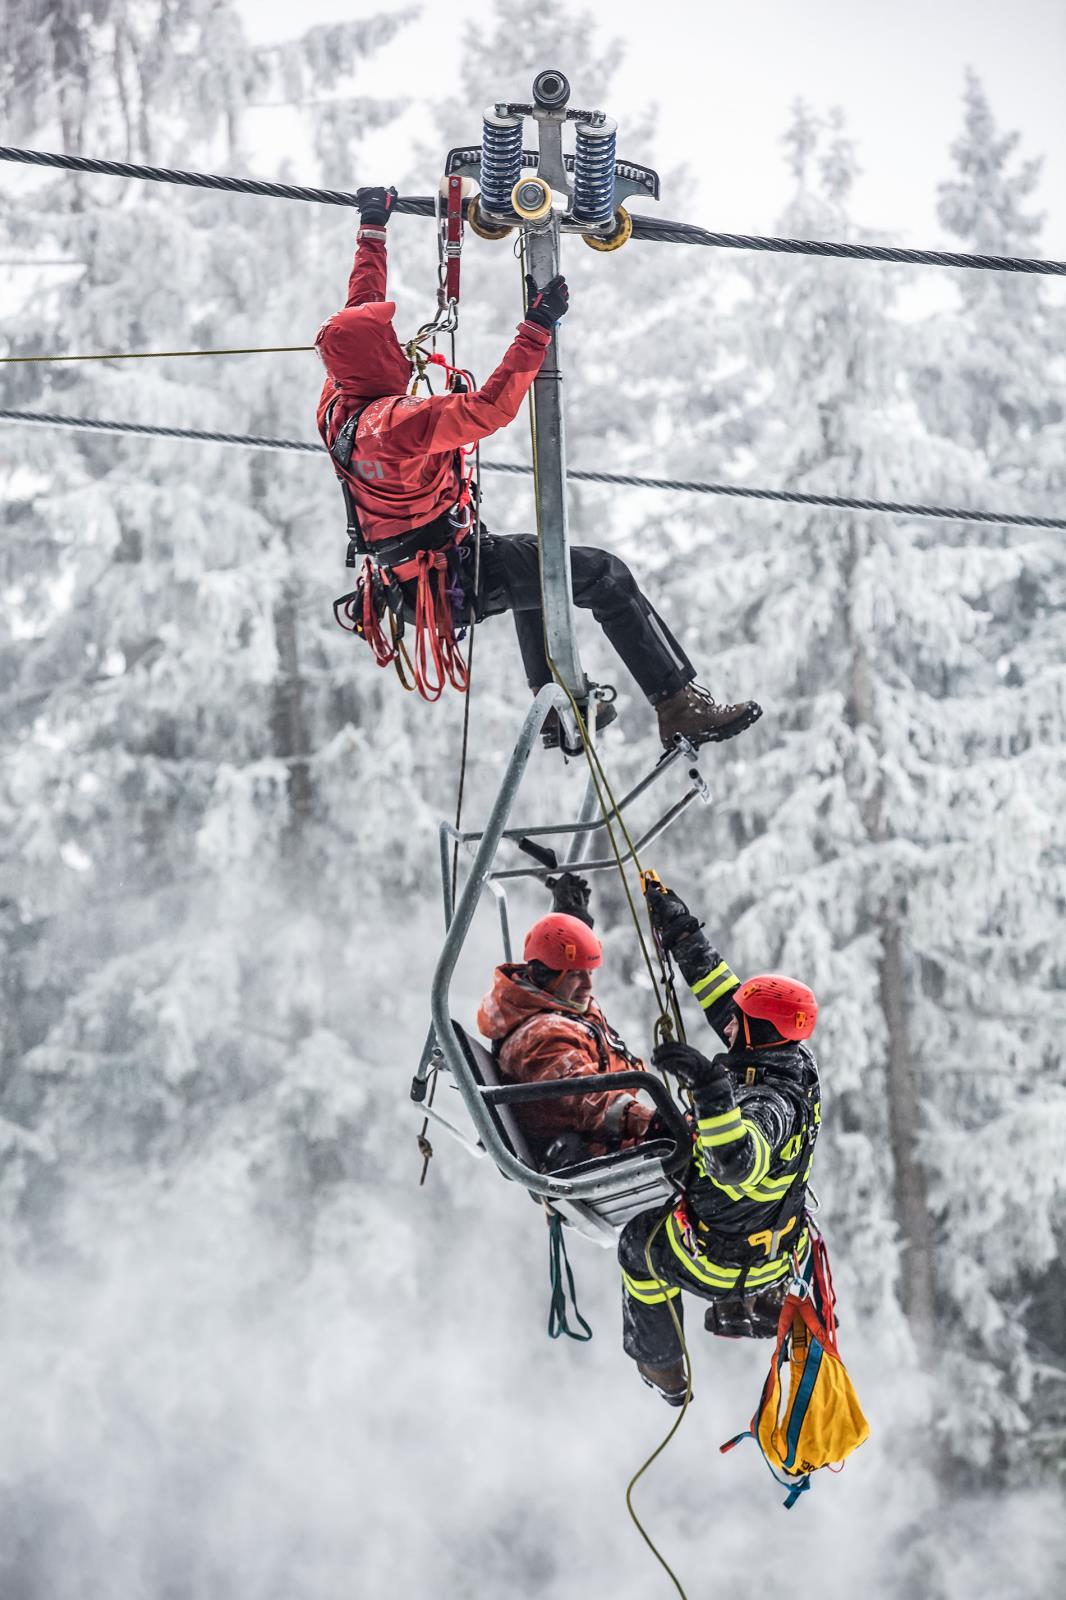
<point x="156" y="355"/>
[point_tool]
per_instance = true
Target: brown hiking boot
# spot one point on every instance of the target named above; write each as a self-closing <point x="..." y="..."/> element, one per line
<point x="670" y="1381"/>
<point x="551" y="735"/>
<point x="695" y="714"/>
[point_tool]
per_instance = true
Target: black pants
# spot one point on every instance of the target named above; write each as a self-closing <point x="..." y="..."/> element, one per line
<point x="648" y="1332"/>
<point x="604" y="585"/>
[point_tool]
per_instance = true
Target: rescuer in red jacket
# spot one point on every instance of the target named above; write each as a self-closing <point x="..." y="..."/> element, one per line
<point x="544" y="1023"/>
<point x="396" y="454"/>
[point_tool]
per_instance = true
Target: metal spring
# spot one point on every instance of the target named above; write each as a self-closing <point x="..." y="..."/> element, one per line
<point x="501" y="161"/>
<point x="594" y="174"/>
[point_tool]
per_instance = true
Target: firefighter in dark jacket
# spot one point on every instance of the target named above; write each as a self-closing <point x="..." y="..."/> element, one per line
<point x="396" y="456"/>
<point x="742" y="1217"/>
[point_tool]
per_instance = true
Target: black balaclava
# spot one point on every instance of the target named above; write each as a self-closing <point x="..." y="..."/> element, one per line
<point x="760" y="1034"/>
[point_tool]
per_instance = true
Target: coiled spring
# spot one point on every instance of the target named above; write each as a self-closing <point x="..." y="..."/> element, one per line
<point x="594" y="174"/>
<point x="501" y="161"/>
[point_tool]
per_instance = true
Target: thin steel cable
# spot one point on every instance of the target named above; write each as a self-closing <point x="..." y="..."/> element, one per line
<point x="157" y="355"/>
<point x="654" y="229"/>
<point x="1013" y="519"/>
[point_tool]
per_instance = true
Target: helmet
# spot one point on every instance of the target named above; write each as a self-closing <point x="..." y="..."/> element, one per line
<point x="563" y="943"/>
<point x="785" y="1002"/>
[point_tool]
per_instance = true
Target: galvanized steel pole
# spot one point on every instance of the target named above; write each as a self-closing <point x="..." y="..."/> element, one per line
<point x="549" y="458"/>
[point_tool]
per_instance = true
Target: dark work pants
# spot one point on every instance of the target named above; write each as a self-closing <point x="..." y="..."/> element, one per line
<point x="648" y="1332"/>
<point x="604" y="585"/>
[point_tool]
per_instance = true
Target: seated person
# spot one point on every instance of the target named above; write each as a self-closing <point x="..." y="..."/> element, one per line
<point x="544" y="1023"/>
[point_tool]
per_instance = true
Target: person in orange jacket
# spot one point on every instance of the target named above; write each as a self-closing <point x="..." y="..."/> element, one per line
<point x="398" y="456"/>
<point x="543" y="1023"/>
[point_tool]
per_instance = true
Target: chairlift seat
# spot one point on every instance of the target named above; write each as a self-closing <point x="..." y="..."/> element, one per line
<point x="600" y="1219"/>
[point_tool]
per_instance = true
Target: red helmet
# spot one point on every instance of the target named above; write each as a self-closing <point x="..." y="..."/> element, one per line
<point x="785" y="1002"/>
<point x="563" y="943"/>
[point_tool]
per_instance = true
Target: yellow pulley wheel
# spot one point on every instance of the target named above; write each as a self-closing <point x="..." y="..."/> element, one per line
<point x="532" y="199"/>
<point x="485" y="230"/>
<point x="623" y="230"/>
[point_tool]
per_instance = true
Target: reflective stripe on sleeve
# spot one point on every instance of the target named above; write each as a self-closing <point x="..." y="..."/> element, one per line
<point x="763" y="1154"/>
<point x="715" y="984"/>
<point x="722" y="1129"/>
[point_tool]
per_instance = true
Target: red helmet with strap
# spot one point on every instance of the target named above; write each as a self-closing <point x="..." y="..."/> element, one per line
<point x="785" y="1002"/>
<point x="563" y="943"/>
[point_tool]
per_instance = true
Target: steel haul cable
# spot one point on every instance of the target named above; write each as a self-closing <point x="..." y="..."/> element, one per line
<point x="1013" y="519"/>
<point x="156" y="355"/>
<point x="653" y="229"/>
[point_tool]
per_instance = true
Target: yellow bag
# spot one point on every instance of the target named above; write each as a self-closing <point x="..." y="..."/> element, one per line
<point x="819" y="1422"/>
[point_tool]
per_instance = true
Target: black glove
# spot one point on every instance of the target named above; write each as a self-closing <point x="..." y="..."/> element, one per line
<point x="688" y="1065"/>
<point x="375" y="206"/>
<point x="570" y="895"/>
<point x="546" y="306"/>
<point x="670" y="916"/>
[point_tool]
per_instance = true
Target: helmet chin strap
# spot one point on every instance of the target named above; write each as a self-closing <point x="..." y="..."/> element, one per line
<point x="768" y="1044"/>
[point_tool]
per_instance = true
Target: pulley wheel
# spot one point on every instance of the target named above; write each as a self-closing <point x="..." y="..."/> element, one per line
<point x="479" y="225"/>
<point x="532" y="199"/>
<point x="623" y="230"/>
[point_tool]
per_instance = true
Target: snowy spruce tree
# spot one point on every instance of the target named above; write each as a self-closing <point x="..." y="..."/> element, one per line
<point x="877" y="833"/>
<point x="243" y="1353"/>
<point x="993" y="376"/>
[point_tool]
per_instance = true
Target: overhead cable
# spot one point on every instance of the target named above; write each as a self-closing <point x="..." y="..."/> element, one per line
<point x="153" y="355"/>
<point x="654" y="229"/>
<point x="672" y="485"/>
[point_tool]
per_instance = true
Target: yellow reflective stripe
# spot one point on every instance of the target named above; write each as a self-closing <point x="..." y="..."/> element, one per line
<point x="726" y="1136"/>
<point x="708" y="1124"/>
<point x="792" y="1148"/>
<point x="709" y="977"/>
<point x="817" y="1113"/>
<point x="763" y="1154"/>
<point x="721" y="1129"/>
<point x="708" y="1000"/>
<point x="770" y="1189"/>
<point x="649" y="1291"/>
<point x="704" y="1271"/>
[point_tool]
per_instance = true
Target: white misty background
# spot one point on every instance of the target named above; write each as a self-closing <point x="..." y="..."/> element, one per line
<point x="243" y="1354"/>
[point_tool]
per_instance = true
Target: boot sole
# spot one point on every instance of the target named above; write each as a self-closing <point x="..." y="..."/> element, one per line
<point x="729" y="731"/>
<point x="676" y="1398"/>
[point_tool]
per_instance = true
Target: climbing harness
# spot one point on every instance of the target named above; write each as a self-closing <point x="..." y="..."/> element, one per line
<point x="431" y="557"/>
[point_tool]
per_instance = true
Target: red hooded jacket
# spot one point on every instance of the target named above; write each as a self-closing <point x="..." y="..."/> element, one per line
<point x="545" y="1038"/>
<point x="403" y="471"/>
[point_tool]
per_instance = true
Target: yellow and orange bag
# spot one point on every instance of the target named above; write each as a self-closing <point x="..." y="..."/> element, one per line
<point x="819" y="1421"/>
